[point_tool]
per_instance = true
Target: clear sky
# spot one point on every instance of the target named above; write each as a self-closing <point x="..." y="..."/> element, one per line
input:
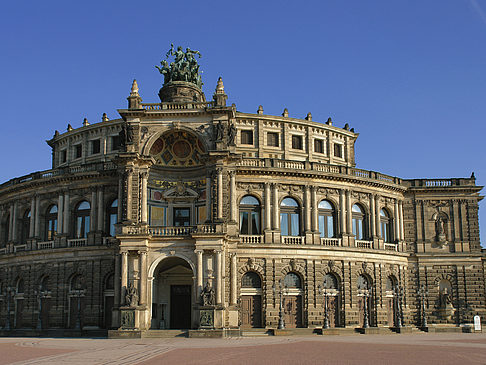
<point x="409" y="76"/>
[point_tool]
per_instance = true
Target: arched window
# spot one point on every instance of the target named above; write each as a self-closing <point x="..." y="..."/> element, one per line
<point x="326" y="219"/>
<point x="110" y="282"/>
<point x="20" y="286"/>
<point x="77" y="283"/>
<point x="112" y="213"/>
<point x="25" y="227"/>
<point x="249" y="215"/>
<point x="330" y="281"/>
<point x="51" y="223"/>
<point x="44" y="285"/>
<point x="289" y="217"/>
<point x="292" y="280"/>
<point x="6" y="229"/>
<point x="358" y="222"/>
<point x="391" y="283"/>
<point x="363" y="283"/>
<point x="81" y="219"/>
<point x="385" y="225"/>
<point x="251" y="280"/>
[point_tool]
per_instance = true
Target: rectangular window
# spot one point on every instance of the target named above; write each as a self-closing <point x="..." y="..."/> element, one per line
<point x="318" y="146"/>
<point x="78" y="151"/>
<point x="115" y="143"/>
<point x="338" y="150"/>
<point x="182" y="217"/>
<point x="63" y="156"/>
<point x="95" y="146"/>
<point x="246" y="137"/>
<point x="297" y="142"/>
<point x="272" y="139"/>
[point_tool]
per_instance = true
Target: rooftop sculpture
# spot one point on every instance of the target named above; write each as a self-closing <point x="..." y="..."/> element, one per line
<point x="184" y="67"/>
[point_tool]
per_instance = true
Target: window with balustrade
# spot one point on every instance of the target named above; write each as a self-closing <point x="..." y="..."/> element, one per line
<point x="51" y="223"/>
<point x="326" y="219"/>
<point x="358" y="218"/>
<point x="82" y="219"/>
<point x="385" y="224"/>
<point x="25" y="226"/>
<point x="289" y="217"/>
<point x="250" y="216"/>
<point x="112" y="215"/>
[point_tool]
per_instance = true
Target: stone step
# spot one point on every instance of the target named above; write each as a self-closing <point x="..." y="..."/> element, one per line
<point x="164" y="333"/>
<point x="252" y="332"/>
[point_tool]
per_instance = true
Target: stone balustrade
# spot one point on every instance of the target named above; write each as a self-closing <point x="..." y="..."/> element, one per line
<point x="77" y="242"/>
<point x="332" y="242"/>
<point x="251" y="239"/>
<point x="177" y="106"/>
<point x="363" y="244"/>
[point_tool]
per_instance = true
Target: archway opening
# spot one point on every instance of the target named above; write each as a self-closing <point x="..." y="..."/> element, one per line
<point x="172" y="295"/>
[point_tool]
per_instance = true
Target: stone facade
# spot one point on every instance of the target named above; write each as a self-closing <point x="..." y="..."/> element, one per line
<point x="138" y="215"/>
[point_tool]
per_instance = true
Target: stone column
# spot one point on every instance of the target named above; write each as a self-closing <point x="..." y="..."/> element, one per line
<point x="60" y="203"/>
<point x="307" y="209"/>
<point x="129" y="194"/>
<point x="144" y="177"/>
<point x="14" y="221"/>
<point x="37" y="217"/>
<point x="208" y="199"/>
<point x="143" y="277"/>
<point x="234" y="280"/>
<point x="372" y="215"/>
<point x="32" y="217"/>
<point x="220" y="192"/>
<point x="349" y="212"/>
<point x="268" y="215"/>
<point x="342" y="207"/>
<point x="199" y="254"/>
<point x="124" y="273"/>
<point x="397" y="221"/>
<point x="315" y="218"/>
<point x="67" y="215"/>
<point x="117" y="281"/>
<point x="400" y="211"/>
<point x="233" y="196"/>
<point x="101" y="210"/>
<point x="276" y="208"/>
<point x="218" y="277"/>
<point x="92" y="212"/>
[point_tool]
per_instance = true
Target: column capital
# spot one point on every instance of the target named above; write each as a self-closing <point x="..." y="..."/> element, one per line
<point x="232" y="173"/>
<point x="124" y="253"/>
<point x="142" y="252"/>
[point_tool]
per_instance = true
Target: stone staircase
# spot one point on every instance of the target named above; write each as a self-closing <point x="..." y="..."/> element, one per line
<point x="164" y="333"/>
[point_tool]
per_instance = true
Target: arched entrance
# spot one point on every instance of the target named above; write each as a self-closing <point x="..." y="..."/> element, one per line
<point x="332" y="295"/>
<point x="172" y="294"/>
<point x="251" y="300"/>
<point x="391" y="283"/>
<point x="364" y="301"/>
<point x="293" y="300"/>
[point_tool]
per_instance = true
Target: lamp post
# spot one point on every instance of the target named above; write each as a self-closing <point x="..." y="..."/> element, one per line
<point x="78" y="293"/>
<point x="39" y="296"/>
<point x="326" y="311"/>
<point x="366" y="295"/>
<point x="423" y="295"/>
<point x="281" y="288"/>
<point x="8" y="293"/>
<point x="398" y="316"/>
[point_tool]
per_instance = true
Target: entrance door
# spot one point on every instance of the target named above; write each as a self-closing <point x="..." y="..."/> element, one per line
<point x="18" y="313"/>
<point x="45" y="302"/>
<point x="73" y="311"/>
<point x="251" y="311"/>
<point x="109" y="300"/>
<point x="182" y="217"/>
<point x="390" y="311"/>
<point x="293" y="311"/>
<point x="180" y="306"/>
<point x="333" y="308"/>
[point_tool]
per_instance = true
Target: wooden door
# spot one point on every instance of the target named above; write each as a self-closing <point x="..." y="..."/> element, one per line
<point x="390" y="311"/>
<point x="19" y="313"/>
<point x="109" y="300"/>
<point x="293" y="311"/>
<point x="73" y="311"/>
<point x="45" y="303"/>
<point x="333" y="308"/>
<point x="180" y="306"/>
<point x="251" y="311"/>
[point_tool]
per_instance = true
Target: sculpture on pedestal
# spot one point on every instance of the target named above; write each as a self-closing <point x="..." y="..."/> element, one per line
<point x="131" y="297"/>
<point x="208" y="297"/>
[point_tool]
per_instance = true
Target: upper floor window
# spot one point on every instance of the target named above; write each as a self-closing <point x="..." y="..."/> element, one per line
<point x="78" y="151"/>
<point x="182" y="216"/>
<point x="318" y="146"/>
<point x="63" y="156"/>
<point x="338" y="150"/>
<point x="385" y="225"/>
<point x="249" y="215"/>
<point x="112" y="217"/>
<point x="246" y="137"/>
<point x="358" y="222"/>
<point x="82" y="219"/>
<point x="25" y="227"/>
<point x="6" y="229"/>
<point x="95" y="146"/>
<point x="115" y="143"/>
<point x="297" y="143"/>
<point x="326" y="219"/>
<point x="51" y="223"/>
<point x="272" y="139"/>
<point x="289" y="217"/>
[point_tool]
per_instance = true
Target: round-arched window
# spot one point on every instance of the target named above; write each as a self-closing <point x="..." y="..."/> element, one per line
<point x="250" y="215"/>
<point x="292" y="280"/>
<point x="385" y="225"/>
<point x="289" y="217"/>
<point x="326" y="219"/>
<point x="251" y="280"/>
<point x="25" y="227"/>
<point x="391" y="283"/>
<point x="363" y="283"/>
<point x="330" y="281"/>
<point x="358" y="222"/>
<point x="51" y="223"/>
<point x="20" y="286"/>
<point x="112" y="213"/>
<point x="82" y="219"/>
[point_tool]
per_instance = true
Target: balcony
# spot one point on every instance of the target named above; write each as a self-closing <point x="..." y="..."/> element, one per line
<point x="45" y="245"/>
<point x="77" y="242"/>
<point x="363" y="244"/>
<point x="251" y="239"/>
<point x="331" y="242"/>
<point x="292" y="240"/>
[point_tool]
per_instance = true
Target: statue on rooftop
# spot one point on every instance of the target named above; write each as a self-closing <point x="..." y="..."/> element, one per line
<point x="184" y="67"/>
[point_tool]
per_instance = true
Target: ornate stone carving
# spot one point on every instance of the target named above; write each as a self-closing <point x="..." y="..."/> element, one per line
<point x="208" y="296"/>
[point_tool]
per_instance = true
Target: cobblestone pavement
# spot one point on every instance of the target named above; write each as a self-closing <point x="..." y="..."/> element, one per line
<point x="443" y="349"/>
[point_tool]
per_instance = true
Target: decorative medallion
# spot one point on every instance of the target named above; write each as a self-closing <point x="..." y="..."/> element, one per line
<point x="178" y="148"/>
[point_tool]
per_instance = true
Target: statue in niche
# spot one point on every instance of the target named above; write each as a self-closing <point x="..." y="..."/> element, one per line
<point x="231" y="134"/>
<point x="131" y="297"/>
<point x="440" y="228"/>
<point x="445" y="299"/>
<point x="207" y="295"/>
<point x="126" y="135"/>
<point x="219" y="131"/>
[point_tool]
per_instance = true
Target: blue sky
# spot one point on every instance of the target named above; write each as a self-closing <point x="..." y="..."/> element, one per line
<point x="409" y="76"/>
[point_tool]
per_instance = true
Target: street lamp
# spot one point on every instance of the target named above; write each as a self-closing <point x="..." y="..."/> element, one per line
<point x="9" y="291"/>
<point x="366" y="295"/>
<point x="423" y="295"/>
<point x="398" y="291"/>
<point x="326" y="311"/>
<point x="39" y="295"/>
<point x="281" y="289"/>
<point x="78" y="293"/>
